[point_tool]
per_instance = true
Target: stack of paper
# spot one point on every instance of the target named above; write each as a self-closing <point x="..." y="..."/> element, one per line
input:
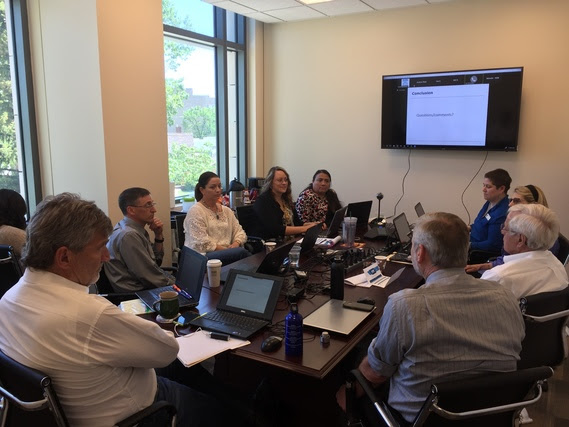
<point x="199" y="346"/>
<point x="134" y="306"/>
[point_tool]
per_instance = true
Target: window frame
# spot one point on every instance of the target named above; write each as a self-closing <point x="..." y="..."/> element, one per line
<point x="222" y="45"/>
<point x="25" y="119"/>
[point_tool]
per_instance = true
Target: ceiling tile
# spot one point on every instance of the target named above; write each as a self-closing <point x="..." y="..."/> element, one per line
<point x="394" y="4"/>
<point x="263" y="17"/>
<point x="342" y="7"/>
<point x="295" y="13"/>
<point x="264" y="5"/>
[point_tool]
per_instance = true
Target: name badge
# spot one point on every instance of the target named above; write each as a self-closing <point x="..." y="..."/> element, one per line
<point x="487" y="216"/>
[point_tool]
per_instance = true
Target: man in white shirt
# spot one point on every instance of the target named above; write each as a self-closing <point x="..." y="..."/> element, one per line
<point x="529" y="231"/>
<point x="101" y="359"/>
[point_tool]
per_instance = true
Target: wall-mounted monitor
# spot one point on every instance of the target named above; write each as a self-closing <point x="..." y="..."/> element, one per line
<point x="453" y="110"/>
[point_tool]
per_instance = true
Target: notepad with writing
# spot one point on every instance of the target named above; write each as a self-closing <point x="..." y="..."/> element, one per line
<point x="197" y="347"/>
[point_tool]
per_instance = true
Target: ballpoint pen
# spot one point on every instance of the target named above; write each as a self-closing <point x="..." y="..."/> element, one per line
<point x="201" y="315"/>
<point x="183" y="292"/>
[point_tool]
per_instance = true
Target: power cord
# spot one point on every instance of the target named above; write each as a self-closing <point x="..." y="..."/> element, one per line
<point x="475" y="175"/>
<point x="402" y="185"/>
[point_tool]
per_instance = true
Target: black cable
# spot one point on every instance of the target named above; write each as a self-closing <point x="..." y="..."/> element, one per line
<point x="402" y="185"/>
<point x="475" y="175"/>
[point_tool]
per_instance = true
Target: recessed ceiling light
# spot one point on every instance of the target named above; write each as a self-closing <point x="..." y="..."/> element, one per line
<point x="314" y="1"/>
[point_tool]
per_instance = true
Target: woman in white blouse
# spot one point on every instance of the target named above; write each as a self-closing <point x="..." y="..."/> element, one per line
<point x="212" y="228"/>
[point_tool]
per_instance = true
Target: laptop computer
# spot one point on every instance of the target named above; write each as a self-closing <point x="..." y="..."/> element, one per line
<point x="332" y="316"/>
<point x="334" y="228"/>
<point x="419" y="210"/>
<point x="274" y="263"/>
<point x="191" y="271"/>
<point x="404" y="233"/>
<point x="247" y="304"/>
<point x="310" y="237"/>
<point x="360" y="210"/>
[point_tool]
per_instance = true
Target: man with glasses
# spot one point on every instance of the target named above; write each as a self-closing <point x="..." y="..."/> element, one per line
<point x="530" y="268"/>
<point x="135" y="259"/>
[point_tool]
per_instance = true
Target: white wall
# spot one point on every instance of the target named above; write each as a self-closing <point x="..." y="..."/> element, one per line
<point x="99" y="81"/>
<point x="323" y="91"/>
<point x="65" y="62"/>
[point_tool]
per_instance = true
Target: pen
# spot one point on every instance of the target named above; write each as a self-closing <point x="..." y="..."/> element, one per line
<point x="182" y="292"/>
<point x="201" y="315"/>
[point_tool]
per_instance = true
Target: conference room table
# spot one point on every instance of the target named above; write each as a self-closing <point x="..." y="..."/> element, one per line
<point x="301" y="383"/>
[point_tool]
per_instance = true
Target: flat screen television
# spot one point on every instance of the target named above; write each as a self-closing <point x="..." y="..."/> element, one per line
<point x="453" y="110"/>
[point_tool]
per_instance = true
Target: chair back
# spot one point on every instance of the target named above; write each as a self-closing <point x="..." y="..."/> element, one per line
<point x="545" y="315"/>
<point x="247" y="218"/>
<point x="30" y="397"/>
<point x="563" y="254"/>
<point x="492" y="399"/>
<point x="10" y="270"/>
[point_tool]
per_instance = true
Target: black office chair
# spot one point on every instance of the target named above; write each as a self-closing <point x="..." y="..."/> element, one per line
<point x="105" y="289"/>
<point x="478" y="256"/>
<point x="29" y="399"/>
<point x="10" y="270"/>
<point x="180" y="235"/>
<point x="545" y="317"/>
<point x="248" y="219"/>
<point x="492" y="399"/>
<point x="563" y="254"/>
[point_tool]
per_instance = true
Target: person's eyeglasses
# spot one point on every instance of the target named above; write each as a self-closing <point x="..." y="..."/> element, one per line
<point x="505" y="229"/>
<point x="148" y="205"/>
<point x="515" y="200"/>
<point x="281" y="180"/>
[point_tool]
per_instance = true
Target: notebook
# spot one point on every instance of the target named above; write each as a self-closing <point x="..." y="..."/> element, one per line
<point x="274" y="263"/>
<point x="247" y="304"/>
<point x="190" y="276"/>
<point x="360" y="210"/>
<point x="333" y="230"/>
<point x="333" y="317"/>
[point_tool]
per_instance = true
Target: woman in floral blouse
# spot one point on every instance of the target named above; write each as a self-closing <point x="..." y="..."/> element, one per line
<point x="318" y="202"/>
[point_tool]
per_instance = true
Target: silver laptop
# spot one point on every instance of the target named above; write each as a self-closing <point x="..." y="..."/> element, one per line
<point x="334" y="317"/>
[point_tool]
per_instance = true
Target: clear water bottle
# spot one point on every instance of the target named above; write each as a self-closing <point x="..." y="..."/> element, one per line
<point x="293" y="332"/>
<point x="337" y="279"/>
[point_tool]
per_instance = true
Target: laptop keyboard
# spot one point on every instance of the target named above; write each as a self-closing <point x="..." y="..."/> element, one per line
<point x="228" y="318"/>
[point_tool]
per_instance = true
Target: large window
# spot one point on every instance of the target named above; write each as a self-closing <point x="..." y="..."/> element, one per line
<point x="204" y="57"/>
<point x="18" y="140"/>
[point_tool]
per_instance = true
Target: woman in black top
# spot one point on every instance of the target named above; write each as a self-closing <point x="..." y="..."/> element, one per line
<point x="275" y="209"/>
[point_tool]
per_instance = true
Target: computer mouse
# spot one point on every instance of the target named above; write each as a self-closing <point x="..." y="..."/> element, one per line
<point x="366" y="300"/>
<point x="271" y="343"/>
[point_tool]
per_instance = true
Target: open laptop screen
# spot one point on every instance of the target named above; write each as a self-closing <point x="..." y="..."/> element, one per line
<point x="251" y="294"/>
<point x="402" y="228"/>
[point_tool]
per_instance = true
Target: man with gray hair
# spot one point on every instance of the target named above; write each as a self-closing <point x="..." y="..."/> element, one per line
<point x="451" y="327"/>
<point x="101" y="359"/>
<point x="530" y="268"/>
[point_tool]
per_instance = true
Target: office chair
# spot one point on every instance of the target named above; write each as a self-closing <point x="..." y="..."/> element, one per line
<point x="28" y="398"/>
<point x="248" y="220"/>
<point x="545" y="316"/>
<point x="477" y="256"/>
<point x="180" y="235"/>
<point x="10" y="270"/>
<point x="492" y="399"/>
<point x="563" y="254"/>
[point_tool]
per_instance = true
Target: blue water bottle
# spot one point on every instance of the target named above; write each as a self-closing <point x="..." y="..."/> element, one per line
<point x="293" y="332"/>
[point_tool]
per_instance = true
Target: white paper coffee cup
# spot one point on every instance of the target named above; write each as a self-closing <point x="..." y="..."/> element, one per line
<point x="214" y="272"/>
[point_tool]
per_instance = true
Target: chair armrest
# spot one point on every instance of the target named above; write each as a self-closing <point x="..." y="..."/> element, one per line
<point x="546" y="318"/>
<point x="136" y="418"/>
<point x="379" y="405"/>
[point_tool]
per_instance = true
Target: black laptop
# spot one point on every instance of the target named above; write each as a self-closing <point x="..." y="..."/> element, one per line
<point x="310" y="237"/>
<point x="334" y="228"/>
<point x="404" y="233"/>
<point x="419" y="210"/>
<point x="247" y="304"/>
<point x="360" y="210"/>
<point x="274" y="263"/>
<point x="190" y="276"/>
